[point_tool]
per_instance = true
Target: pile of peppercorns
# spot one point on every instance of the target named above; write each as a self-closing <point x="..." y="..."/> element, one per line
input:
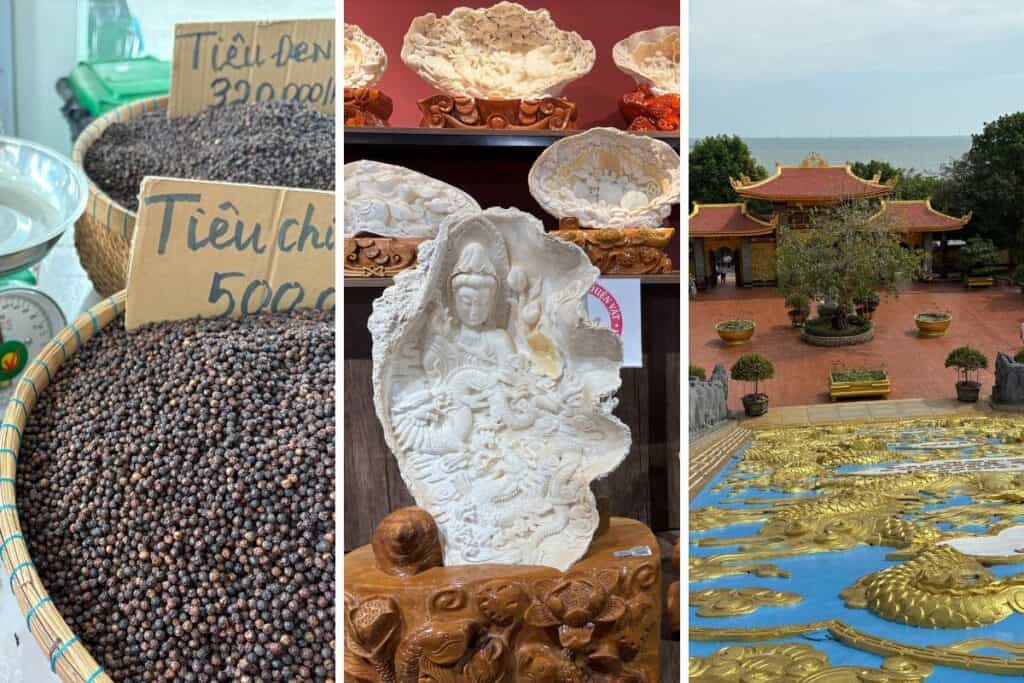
<point x="270" y="143"/>
<point x="176" y="486"/>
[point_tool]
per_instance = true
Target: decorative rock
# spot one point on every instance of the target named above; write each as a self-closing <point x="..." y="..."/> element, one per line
<point x="651" y="57"/>
<point x="709" y="402"/>
<point x="504" y="52"/>
<point x="365" y="59"/>
<point x="495" y="391"/>
<point x="1009" y="386"/>
<point x="393" y="201"/>
<point x="606" y="178"/>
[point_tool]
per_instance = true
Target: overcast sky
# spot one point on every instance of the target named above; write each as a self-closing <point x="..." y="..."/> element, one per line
<point x="816" y="68"/>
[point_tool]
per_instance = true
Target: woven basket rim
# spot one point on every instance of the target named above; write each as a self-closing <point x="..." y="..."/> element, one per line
<point x="99" y="201"/>
<point x="69" y="658"/>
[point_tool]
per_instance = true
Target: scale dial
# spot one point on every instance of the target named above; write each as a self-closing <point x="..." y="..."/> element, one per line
<point x="29" y="319"/>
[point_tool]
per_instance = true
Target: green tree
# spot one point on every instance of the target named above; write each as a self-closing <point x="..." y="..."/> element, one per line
<point x="910" y="184"/>
<point x="843" y="256"/>
<point x="989" y="179"/>
<point x="979" y="257"/>
<point x="867" y="170"/>
<point x="713" y="160"/>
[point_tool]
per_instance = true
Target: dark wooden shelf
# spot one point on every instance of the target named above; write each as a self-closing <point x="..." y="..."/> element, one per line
<point x="447" y="137"/>
<point x="382" y="282"/>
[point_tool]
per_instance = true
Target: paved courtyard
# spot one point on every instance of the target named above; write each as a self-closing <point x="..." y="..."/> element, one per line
<point x="988" y="319"/>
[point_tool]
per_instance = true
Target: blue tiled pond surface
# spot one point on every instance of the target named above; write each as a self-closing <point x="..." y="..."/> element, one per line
<point x="820" y="577"/>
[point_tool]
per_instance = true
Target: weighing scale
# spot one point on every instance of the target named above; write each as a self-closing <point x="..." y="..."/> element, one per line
<point x="42" y="194"/>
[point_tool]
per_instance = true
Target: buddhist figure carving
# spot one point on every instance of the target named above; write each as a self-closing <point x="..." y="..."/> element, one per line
<point x="494" y="390"/>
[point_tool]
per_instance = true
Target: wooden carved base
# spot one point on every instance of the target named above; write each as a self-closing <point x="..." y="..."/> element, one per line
<point x="625" y="251"/>
<point x="643" y="110"/>
<point x="379" y="256"/>
<point x="367" y="108"/>
<point x="550" y="113"/>
<point x="409" y="620"/>
<point x="672" y="602"/>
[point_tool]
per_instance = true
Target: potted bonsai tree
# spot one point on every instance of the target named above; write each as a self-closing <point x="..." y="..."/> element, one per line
<point x="867" y="304"/>
<point x="968" y="362"/>
<point x="754" y="368"/>
<point x="799" y="308"/>
<point x="978" y="259"/>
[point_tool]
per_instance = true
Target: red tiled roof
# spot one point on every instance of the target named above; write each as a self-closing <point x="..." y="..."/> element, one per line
<point x="812" y="181"/>
<point x="726" y="220"/>
<point x="919" y="216"/>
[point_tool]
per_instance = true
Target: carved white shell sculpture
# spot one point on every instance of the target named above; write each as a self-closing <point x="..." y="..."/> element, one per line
<point x="393" y="201"/>
<point x="495" y="391"/>
<point x="651" y="57"/>
<point x="365" y="59"/>
<point x="607" y="178"/>
<point x="502" y="52"/>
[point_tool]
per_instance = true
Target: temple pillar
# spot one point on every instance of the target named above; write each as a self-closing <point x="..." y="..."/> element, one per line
<point x="928" y="253"/>
<point x="745" y="250"/>
<point x="699" y="262"/>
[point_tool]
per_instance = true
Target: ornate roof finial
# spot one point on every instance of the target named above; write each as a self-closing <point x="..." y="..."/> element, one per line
<point x="813" y="160"/>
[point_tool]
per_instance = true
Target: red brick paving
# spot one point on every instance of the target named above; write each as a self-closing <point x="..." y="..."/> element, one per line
<point x="988" y="319"/>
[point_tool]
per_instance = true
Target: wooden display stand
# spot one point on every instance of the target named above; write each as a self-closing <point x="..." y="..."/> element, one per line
<point x="367" y="108"/>
<point x="645" y="111"/>
<point x="620" y="251"/>
<point x="409" y="619"/>
<point x="550" y="113"/>
<point x="371" y="256"/>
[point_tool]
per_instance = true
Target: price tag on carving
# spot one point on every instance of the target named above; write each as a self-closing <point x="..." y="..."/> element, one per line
<point x="252" y="61"/>
<point x="222" y="249"/>
<point x="615" y="303"/>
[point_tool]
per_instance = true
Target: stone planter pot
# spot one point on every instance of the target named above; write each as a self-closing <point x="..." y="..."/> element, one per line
<point x="850" y="340"/>
<point x="968" y="392"/>
<point x="932" y="328"/>
<point x="735" y="337"/>
<point x="871" y="388"/>
<point x="798" y="317"/>
<point x="755" y="405"/>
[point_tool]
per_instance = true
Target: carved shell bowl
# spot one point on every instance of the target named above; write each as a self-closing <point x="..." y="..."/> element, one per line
<point x="504" y="52"/>
<point x="607" y="178"/>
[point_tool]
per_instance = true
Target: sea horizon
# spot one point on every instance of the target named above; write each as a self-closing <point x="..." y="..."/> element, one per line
<point x="923" y="153"/>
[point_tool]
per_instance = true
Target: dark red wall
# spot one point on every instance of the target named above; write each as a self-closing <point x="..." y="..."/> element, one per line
<point x="602" y="22"/>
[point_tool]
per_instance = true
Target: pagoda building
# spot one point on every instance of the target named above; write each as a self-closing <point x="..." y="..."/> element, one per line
<point x="729" y="233"/>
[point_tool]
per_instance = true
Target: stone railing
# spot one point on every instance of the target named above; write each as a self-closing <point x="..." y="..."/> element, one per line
<point x="1009" y="386"/>
<point x="709" y="401"/>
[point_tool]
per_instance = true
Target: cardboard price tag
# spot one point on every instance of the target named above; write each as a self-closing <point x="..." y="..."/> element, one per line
<point x="221" y="249"/>
<point x="252" y="61"/>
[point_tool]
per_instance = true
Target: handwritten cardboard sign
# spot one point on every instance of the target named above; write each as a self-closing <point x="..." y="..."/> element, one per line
<point x="252" y="61"/>
<point x="220" y="249"/>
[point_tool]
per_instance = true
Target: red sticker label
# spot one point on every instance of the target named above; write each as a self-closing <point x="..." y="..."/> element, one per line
<point x="611" y="305"/>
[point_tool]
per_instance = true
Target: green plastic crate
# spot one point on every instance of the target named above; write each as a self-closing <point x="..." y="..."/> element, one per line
<point x="102" y="86"/>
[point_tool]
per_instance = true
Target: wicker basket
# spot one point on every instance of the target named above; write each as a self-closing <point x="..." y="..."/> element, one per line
<point x="69" y="658"/>
<point x="103" y="234"/>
